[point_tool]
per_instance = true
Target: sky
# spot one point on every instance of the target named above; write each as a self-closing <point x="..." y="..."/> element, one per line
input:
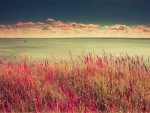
<point x="74" y="18"/>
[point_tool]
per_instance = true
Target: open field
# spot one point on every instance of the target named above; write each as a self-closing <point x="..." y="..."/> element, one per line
<point x="88" y="84"/>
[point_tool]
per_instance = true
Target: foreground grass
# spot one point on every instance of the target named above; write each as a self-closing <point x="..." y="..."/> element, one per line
<point x="87" y="84"/>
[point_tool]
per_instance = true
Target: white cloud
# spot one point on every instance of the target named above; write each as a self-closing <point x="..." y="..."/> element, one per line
<point x="72" y="29"/>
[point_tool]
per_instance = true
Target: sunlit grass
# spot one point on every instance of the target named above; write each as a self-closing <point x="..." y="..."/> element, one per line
<point x="88" y="84"/>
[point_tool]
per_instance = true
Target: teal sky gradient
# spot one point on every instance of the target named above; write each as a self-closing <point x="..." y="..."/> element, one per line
<point x="102" y="12"/>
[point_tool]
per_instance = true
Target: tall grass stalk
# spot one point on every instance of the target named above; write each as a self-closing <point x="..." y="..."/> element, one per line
<point x="88" y="84"/>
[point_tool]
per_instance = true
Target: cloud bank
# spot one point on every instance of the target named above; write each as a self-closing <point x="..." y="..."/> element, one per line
<point x="57" y="29"/>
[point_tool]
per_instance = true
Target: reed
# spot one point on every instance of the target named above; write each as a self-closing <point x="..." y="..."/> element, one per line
<point x="89" y="83"/>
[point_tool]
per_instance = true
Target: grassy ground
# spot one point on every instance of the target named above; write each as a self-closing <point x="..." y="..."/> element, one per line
<point x="88" y="84"/>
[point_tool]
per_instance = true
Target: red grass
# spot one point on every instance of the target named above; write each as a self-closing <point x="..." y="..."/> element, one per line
<point x="87" y="84"/>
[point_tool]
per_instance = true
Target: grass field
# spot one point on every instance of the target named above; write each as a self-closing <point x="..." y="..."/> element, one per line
<point x="88" y="84"/>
